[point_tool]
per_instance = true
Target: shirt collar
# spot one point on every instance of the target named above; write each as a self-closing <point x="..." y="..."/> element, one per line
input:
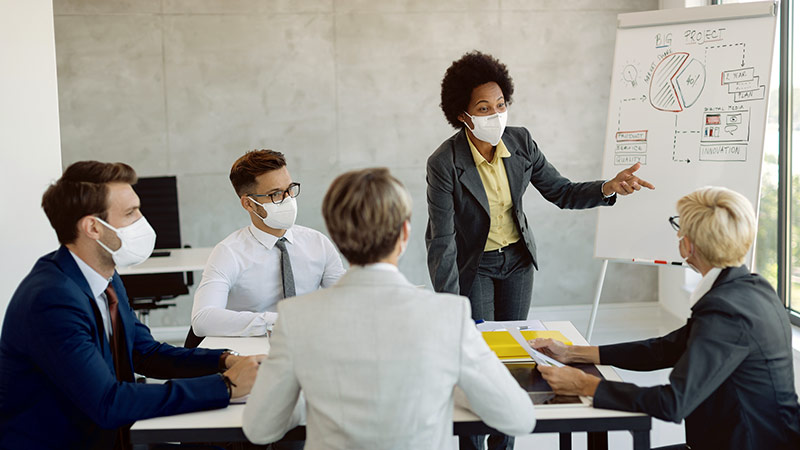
<point x="269" y="240"/>
<point x="383" y="267"/>
<point x="704" y="285"/>
<point x="501" y="151"/>
<point x="97" y="283"/>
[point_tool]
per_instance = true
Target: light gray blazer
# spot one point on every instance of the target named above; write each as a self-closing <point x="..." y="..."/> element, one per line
<point x="377" y="359"/>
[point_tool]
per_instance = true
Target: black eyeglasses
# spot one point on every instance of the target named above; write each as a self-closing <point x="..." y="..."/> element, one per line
<point x="673" y="220"/>
<point x="278" y="197"/>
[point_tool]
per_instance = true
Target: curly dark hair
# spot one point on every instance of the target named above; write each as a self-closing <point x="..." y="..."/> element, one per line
<point x="464" y="75"/>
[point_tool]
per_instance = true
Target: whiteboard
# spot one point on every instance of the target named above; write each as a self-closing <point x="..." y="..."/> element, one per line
<point x="688" y="100"/>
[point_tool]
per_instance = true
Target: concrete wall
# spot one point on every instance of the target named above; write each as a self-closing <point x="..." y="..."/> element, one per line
<point x="186" y="86"/>
<point x="30" y="152"/>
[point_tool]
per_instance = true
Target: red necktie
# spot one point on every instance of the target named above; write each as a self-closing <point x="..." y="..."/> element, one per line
<point x="120" y="355"/>
<point x="117" y="336"/>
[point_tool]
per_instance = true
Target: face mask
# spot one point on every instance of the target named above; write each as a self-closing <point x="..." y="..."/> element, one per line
<point x="281" y="216"/>
<point x="489" y="128"/>
<point x="138" y="240"/>
<point x="691" y="247"/>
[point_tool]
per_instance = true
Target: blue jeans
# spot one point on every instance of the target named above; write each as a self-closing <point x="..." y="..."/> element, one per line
<point x="502" y="290"/>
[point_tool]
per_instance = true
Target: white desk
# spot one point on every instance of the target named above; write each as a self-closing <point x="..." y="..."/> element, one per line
<point x="226" y="424"/>
<point x="179" y="260"/>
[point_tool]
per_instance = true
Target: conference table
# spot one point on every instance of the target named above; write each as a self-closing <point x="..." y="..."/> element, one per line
<point x="178" y="260"/>
<point x="225" y="425"/>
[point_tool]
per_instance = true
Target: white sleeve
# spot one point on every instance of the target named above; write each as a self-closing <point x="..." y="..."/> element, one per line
<point x="493" y="394"/>
<point x="275" y="405"/>
<point x="210" y="316"/>
<point x="333" y="264"/>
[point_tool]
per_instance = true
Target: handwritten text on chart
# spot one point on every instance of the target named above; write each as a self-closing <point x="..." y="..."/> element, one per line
<point x="626" y="136"/>
<point x="723" y="152"/>
<point x="703" y="36"/>
<point x="627" y="160"/>
<point x="633" y="147"/>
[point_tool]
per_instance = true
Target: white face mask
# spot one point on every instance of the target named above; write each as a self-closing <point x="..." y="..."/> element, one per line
<point x="138" y="240"/>
<point x="280" y="216"/>
<point x="489" y="128"/>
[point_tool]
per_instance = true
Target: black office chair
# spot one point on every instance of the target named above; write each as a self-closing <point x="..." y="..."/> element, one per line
<point x="159" y="204"/>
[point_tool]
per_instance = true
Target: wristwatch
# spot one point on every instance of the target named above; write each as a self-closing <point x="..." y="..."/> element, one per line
<point x="223" y="357"/>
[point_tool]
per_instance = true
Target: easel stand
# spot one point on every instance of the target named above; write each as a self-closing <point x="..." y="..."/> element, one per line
<point x="596" y="303"/>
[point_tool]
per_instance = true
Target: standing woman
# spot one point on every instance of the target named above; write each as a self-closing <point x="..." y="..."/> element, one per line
<point x="478" y="239"/>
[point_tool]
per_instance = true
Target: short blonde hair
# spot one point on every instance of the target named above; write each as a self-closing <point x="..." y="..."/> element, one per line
<point x="364" y="211"/>
<point x="720" y="223"/>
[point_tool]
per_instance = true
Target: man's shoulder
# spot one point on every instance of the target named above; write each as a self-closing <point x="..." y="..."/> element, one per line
<point x="307" y="234"/>
<point x="45" y="278"/>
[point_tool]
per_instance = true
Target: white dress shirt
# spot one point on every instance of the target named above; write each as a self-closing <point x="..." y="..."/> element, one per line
<point x="704" y="285"/>
<point x="98" y="285"/>
<point x="242" y="281"/>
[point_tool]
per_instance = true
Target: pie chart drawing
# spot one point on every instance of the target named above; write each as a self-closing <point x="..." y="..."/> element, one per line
<point x="677" y="82"/>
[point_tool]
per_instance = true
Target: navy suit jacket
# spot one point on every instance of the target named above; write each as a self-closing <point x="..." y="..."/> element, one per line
<point x="58" y="387"/>
<point x="732" y="377"/>
<point x="458" y="208"/>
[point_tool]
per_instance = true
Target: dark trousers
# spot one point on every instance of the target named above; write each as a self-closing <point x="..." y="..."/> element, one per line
<point x="502" y="290"/>
<point x="503" y="286"/>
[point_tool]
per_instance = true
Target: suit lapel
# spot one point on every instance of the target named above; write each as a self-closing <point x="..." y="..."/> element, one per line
<point x="514" y="172"/>
<point x="67" y="264"/>
<point x="467" y="172"/>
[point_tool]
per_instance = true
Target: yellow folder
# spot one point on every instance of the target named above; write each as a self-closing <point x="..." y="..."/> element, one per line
<point x="504" y="345"/>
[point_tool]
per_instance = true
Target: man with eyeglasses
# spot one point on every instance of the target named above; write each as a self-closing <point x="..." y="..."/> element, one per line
<point x="268" y="260"/>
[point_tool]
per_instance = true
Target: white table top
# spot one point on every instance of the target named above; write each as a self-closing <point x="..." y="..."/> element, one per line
<point x="231" y="417"/>
<point x="179" y="260"/>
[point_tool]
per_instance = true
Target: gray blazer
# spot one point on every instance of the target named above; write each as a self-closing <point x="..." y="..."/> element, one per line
<point x="732" y="377"/>
<point x="377" y="360"/>
<point x="458" y="209"/>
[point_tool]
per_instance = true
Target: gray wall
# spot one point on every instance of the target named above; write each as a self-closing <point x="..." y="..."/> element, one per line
<point x="184" y="87"/>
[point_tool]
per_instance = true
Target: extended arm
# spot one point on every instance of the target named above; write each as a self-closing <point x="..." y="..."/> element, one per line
<point x="494" y="395"/>
<point x="558" y="189"/>
<point x="717" y="345"/>
<point x="67" y="352"/>
<point x="273" y="407"/>
<point x="210" y="316"/>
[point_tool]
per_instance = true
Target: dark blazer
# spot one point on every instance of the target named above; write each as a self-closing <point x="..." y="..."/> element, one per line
<point x="732" y="379"/>
<point x="458" y="209"/>
<point x="58" y="387"/>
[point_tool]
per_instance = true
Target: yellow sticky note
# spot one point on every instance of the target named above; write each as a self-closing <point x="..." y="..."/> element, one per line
<point x="504" y="345"/>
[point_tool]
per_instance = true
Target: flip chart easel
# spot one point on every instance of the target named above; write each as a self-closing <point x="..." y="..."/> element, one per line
<point x="688" y="101"/>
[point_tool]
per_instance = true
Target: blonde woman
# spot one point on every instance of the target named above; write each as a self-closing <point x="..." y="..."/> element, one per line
<point x="732" y="378"/>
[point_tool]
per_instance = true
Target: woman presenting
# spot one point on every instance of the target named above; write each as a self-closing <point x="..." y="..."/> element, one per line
<point x="478" y="239"/>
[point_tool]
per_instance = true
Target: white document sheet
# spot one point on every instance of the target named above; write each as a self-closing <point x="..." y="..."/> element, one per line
<point x="528" y="325"/>
<point x="538" y="357"/>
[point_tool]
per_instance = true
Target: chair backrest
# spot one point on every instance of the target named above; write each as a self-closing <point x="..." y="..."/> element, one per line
<point x="159" y="197"/>
<point x="159" y="204"/>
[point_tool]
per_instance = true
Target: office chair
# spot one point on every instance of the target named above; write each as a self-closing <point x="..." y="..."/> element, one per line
<point x="159" y="204"/>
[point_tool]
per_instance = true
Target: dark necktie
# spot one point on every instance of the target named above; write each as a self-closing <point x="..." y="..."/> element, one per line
<point x="287" y="277"/>
<point x="120" y="355"/>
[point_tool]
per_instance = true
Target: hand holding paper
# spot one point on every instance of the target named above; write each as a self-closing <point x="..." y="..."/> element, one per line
<point x="540" y="358"/>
